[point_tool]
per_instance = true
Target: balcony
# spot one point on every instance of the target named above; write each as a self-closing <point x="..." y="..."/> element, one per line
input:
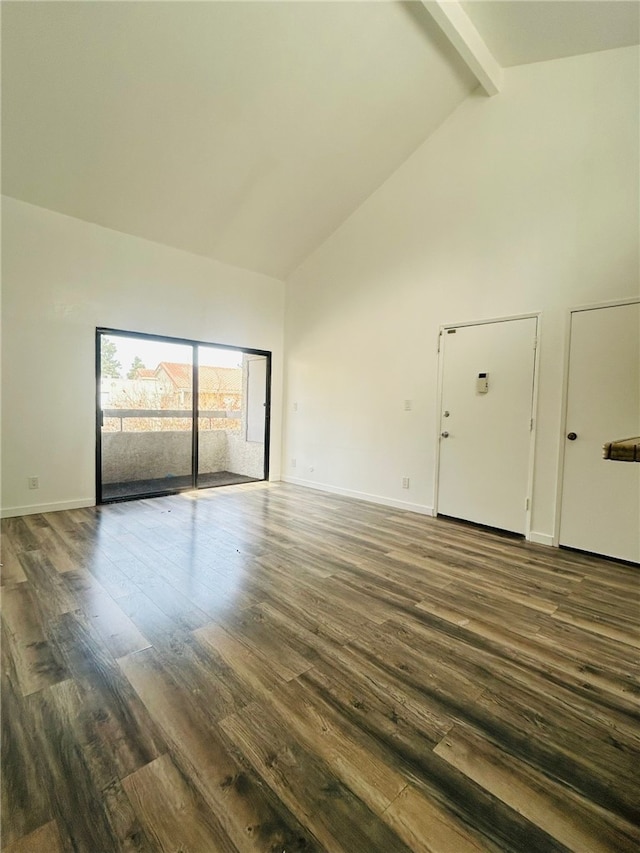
<point x="146" y="451"/>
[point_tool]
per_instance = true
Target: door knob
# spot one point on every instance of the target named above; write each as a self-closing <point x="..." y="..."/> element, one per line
<point x="572" y="436"/>
<point x="445" y="434"/>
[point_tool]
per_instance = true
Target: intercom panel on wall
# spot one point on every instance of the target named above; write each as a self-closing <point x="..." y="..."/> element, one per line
<point x="482" y="383"/>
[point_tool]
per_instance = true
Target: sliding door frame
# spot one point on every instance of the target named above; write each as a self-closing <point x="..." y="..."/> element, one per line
<point x="103" y="331"/>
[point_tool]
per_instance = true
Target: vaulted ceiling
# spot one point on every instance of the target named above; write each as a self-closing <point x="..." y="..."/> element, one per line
<point x="248" y="131"/>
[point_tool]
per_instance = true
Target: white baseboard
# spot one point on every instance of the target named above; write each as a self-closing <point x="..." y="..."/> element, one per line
<point x="361" y="496"/>
<point x="541" y="539"/>
<point x="13" y="511"/>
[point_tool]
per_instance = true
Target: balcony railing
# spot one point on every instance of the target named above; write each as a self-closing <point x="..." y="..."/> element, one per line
<point x="140" y="453"/>
<point x="123" y="414"/>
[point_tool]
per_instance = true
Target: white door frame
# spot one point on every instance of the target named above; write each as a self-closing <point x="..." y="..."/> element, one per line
<point x="613" y="303"/>
<point x="534" y="405"/>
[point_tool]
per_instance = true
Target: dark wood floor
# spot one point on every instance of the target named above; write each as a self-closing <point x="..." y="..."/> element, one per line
<point x="268" y="668"/>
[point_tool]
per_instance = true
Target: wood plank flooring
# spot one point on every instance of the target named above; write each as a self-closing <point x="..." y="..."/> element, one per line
<point x="269" y="668"/>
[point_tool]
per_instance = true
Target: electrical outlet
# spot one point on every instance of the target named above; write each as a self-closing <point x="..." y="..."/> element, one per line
<point x="295" y="407"/>
<point x="405" y="482"/>
<point x="33" y="482"/>
<point x="408" y="405"/>
<point x="293" y="463"/>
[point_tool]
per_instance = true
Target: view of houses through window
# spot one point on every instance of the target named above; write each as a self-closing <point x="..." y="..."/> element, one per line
<point x="146" y="388"/>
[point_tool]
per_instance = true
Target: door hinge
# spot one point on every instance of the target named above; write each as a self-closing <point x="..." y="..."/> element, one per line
<point x="439" y="340"/>
<point x="535" y="343"/>
<point x="526" y="504"/>
<point x="531" y="425"/>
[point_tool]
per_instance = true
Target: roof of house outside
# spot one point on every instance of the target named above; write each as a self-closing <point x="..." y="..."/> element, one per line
<point x="145" y="373"/>
<point x="211" y="379"/>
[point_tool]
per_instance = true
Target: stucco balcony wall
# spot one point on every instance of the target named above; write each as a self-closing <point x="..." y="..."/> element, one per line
<point x="129" y="456"/>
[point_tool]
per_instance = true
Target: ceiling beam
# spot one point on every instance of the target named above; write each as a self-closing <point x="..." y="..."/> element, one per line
<point x="461" y="32"/>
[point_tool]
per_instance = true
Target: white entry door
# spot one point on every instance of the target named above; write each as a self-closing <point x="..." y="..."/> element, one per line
<point x="486" y="422"/>
<point x="600" y="498"/>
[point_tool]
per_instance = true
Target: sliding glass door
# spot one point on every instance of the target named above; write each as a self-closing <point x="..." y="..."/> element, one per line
<point x="228" y="452"/>
<point x="177" y="414"/>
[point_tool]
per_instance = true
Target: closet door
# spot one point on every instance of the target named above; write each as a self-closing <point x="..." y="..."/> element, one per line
<point x="600" y="509"/>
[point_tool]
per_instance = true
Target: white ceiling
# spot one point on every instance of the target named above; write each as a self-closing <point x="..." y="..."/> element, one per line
<point x="518" y="32"/>
<point x="244" y="131"/>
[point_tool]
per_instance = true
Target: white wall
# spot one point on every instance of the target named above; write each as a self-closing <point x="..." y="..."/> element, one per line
<point x="61" y="278"/>
<point x="524" y="202"/>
